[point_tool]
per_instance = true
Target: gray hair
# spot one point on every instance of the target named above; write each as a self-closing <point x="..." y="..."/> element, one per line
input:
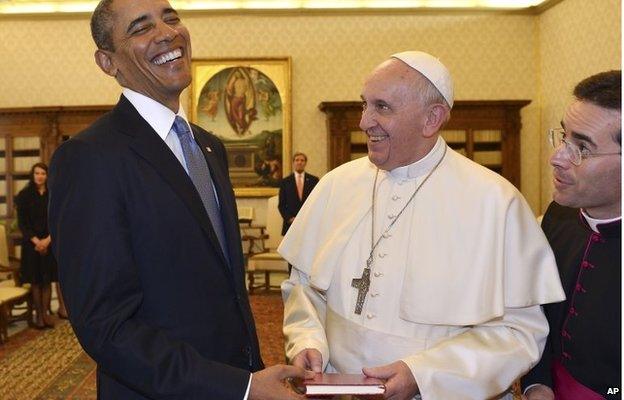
<point x="429" y="94"/>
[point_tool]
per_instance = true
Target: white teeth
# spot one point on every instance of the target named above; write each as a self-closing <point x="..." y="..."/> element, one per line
<point x="377" y="138"/>
<point x="172" y="55"/>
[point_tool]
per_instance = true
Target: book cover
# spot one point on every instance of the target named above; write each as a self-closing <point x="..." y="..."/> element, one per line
<point x="335" y="384"/>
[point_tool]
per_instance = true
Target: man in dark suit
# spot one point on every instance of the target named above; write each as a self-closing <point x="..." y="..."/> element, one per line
<point x="582" y="358"/>
<point x="143" y="224"/>
<point x="294" y="190"/>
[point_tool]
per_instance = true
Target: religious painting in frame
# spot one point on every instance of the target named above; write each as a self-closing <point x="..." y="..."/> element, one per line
<point x="247" y="104"/>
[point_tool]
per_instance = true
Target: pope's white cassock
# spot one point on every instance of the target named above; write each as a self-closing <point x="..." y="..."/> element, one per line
<point x="456" y="283"/>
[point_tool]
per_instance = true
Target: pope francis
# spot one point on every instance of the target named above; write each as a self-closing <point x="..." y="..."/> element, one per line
<point x="417" y="265"/>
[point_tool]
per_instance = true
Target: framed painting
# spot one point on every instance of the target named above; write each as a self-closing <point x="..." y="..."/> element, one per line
<point x="247" y="104"/>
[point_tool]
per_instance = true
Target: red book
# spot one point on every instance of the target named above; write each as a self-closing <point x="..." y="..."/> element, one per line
<point x="334" y="384"/>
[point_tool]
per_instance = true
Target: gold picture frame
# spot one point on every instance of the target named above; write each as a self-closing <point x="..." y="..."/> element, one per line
<point x="247" y="104"/>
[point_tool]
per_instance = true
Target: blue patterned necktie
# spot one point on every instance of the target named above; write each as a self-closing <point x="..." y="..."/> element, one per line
<point x="200" y="175"/>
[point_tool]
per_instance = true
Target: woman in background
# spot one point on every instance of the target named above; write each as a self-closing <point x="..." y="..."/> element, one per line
<point x="38" y="266"/>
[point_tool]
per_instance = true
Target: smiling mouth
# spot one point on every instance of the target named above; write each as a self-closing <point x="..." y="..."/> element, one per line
<point x="376" y="138"/>
<point x="168" y="57"/>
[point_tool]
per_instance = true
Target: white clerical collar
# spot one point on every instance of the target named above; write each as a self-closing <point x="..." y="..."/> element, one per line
<point x="159" y="117"/>
<point x="422" y="166"/>
<point x="593" y="222"/>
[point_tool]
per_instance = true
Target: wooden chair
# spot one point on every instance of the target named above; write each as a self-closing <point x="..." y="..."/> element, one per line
<point x="12" y="292"/>
<point x="268" y="261"/>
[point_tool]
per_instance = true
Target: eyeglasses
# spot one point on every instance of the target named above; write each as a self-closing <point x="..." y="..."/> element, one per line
<point x="573" y="152"/>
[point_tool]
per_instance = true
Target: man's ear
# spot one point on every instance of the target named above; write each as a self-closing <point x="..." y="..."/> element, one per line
<point x="104" y="60"/>
<point x="436" y="117"/>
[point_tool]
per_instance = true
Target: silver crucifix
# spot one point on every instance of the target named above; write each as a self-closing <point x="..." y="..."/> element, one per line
<point x="362" y="285"/>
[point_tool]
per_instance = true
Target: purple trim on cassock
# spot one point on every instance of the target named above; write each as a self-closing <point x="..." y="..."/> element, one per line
<point x="568" y="388"/>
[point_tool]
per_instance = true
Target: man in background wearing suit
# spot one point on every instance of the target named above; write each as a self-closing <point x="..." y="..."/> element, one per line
<point x="294" y="190"/>
<point x="144" y="226"/>
<point x="582" y="358"/>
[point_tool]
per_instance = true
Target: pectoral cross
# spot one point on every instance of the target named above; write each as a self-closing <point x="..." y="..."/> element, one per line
<point x="362" y="285"/>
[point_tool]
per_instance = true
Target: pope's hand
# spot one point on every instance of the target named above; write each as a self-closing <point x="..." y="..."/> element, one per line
<point x="539" y="392"/>
<point x="310" y="359"/>
<point x="400" y="382"/>
<point x="270" y="383"/>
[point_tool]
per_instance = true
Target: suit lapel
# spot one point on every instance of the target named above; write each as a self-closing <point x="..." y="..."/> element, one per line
<point x="306" y="187"/>
<point x="293" y="185"/>
<point x="153" y="149"/>
<point x="227" y="201"/>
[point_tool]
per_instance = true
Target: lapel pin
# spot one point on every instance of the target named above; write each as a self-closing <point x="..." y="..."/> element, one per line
<point x="208" y="149"/>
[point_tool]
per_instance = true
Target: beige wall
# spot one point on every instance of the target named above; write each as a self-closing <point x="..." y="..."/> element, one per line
<point x="578" y="38"/>
<point x="491" y="56"/>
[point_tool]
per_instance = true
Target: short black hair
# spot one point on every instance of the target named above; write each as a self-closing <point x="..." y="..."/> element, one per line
<point x="102" y="25"/>
<point x="604" y="90"/>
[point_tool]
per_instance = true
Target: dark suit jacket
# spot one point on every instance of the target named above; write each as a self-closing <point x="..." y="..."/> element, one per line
<point x="289" y="203"/>
<point x="150" y="295"/>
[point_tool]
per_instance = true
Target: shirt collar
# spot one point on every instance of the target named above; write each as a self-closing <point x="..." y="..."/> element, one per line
<point x="159" y="117"/>
<point x="593" y="222"/>
<point x="422" y="166"/>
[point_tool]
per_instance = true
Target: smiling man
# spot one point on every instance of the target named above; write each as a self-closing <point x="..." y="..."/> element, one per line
<point x="425" y="269"/>
<point x="144" y="226"/>
<point x="582" y="360"/>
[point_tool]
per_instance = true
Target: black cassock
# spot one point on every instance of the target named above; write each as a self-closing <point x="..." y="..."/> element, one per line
<point x="585" y="329"/>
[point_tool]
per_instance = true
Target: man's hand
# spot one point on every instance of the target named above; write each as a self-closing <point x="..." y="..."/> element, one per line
<point x="309" y="359"/>
<point x="400" y="383"/>
<point x="539" y="392"/>
<point x="270" y="383"/>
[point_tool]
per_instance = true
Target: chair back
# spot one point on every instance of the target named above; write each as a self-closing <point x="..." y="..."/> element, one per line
<point x="7" y="265"/>
<point x="273" y="224"/>
<point x="245" y="214"/>
<point x="4" y="247"/>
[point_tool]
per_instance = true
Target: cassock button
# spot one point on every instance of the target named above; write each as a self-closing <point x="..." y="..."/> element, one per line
<point x="386" y="235"/>
<point x="382" y="255"/>
<point x="370" y="316"/>
<point x="374" y="294"/>
<point x="391" y="216"/>
<point x="395" y="197"/>
<point x="378" y="274"/>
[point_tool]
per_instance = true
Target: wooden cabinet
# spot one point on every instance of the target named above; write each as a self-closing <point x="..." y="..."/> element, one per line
<point x="487" y="132"/>
<point x="30" y="135"/>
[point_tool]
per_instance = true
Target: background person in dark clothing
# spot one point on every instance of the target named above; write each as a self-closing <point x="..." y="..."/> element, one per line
<point x="294" y="190"/>
<point x="38" y="266"/>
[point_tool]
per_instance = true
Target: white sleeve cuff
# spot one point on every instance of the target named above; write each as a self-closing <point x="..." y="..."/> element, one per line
<point x="248" y="387"/>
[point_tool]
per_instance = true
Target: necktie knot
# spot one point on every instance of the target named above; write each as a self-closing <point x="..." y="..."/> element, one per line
<point x="180" y="127"/>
